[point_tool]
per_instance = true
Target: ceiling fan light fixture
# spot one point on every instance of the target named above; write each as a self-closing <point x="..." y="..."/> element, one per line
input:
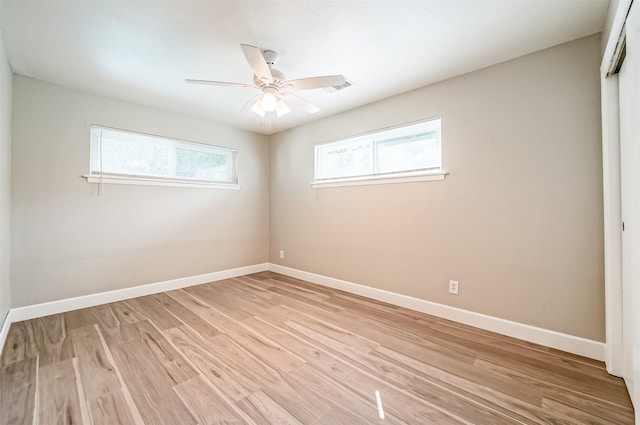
<point x="282" y="108"/>
<point x="258" y="109"/>
<point x="269" y="102"/>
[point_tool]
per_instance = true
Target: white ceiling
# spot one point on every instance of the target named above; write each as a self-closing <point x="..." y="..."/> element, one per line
<point x="142" y="51"/>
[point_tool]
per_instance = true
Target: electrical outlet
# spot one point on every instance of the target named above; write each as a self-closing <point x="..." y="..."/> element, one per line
<point x="453" y="287"/>
<point x="282" y="253"/>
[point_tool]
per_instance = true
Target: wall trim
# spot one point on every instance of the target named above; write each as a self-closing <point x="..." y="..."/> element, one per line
<point x="565" y="342"/>
<point x="4" y="331"/>
<point x="59" y="306"/>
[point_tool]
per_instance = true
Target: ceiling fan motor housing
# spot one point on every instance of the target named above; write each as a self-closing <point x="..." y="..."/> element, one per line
<point x="278" y="79"/>
<point x="270" y="57"/>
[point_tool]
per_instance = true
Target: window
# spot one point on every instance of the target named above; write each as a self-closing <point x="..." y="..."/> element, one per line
<point x="119" y="156"/>
<point x="406" y="153"/>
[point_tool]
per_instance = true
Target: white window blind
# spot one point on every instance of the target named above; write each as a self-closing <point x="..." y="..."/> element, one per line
<point x="120" y="153"/>
<point x="408" y="149"/>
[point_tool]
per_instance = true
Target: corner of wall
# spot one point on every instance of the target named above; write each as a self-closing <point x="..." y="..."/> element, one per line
<point x="6" y="82"/>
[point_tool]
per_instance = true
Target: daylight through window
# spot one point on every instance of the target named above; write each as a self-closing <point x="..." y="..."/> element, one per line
<point x="407" y="150"/>
<point x="118" y="153"/>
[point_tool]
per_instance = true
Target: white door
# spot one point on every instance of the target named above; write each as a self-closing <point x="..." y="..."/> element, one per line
<point x="626" y="187"/>
<point x="629" y="87"/>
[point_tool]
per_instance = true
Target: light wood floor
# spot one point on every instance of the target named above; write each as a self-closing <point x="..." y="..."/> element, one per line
<point x="268" y="349"/>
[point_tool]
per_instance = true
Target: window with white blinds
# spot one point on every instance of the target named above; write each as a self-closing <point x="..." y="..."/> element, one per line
<point x="123" y="154"/>
<point x="408" y="150"/>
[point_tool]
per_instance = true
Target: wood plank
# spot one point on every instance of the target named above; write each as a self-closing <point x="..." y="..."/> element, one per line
<point x="466" y="331"/>
<point x="578" y="416"/>
<point x="397" y="339"/>
<point x="18" y="391"/>
<point x="236" y="287"/>
<point x="397" y="334"/>
<point x="528" y="370"/>
<point x="124" y="313"/>
<point x="58" y="400"/>
<point x="358" y="409"/>
<point x="256" y="368"/>
<point x="206" y="405"/>
<point x="471" y="409"/>
<point x="79" y="318"/>
<point x="234" y="303"/>
<point x="497" y="347"/>
<point x="186" y="316"/>
<point x="237" y="309"/>
<point x="264" y="411"/>
<point x="296" y="300"/>
<point x="353" y="356"/>
<point x="595" y="406"/>
<point x="328" y="364"/>
<point x="106" y="400"/>
<point x="112" y="329"/>
<point x="253" y="282"/>
<point x="502" y="399"/>
<point x="253" y="289"/>
<point x="231" y="357"/>
<point x="297" y="399"/>
<point x="150" y="309"/>
<point x="151" y="385"/>
<point x="20" y="344"/>
<point x="52" y="340"/>
<point x="325" y="376"/>
<point x="470" y="380"/>
<point x="277" y="278"/>
<point x="260" y="275"/>
<point x="384" y="313"/>
<point x="213" y="317"/>
<point x="270" y="352"/>
<point x="298" y="292"/>
<point x="173" y="362"/>
<point x="606" y="409"/>
<point x="400" y="403"/>
<point x="333" y="332"/>
<point x="227" y="374"/>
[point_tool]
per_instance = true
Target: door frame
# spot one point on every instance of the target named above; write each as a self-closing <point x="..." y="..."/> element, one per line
<point x="612" y="193"/>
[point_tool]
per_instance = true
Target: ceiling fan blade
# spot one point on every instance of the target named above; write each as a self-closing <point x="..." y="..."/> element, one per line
<point x="315" y="82"/>
<point x="298" y="101"/>
<point x="221" y="83"/>
<point x="257" y="63"/>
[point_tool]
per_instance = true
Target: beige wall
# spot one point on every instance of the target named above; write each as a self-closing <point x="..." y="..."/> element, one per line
<point x="67" y="241"/>
<point x="518" y="221"/>
<point x="5" y="182"/>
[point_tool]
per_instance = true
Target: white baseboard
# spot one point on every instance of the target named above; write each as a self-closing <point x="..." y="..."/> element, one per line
<point x="569" y="343"/>
<point x="59" y="306"/>
<point x="4" y="331"/>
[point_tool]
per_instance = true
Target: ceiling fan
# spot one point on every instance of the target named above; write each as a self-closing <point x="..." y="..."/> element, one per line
<point x="275" y="93"/>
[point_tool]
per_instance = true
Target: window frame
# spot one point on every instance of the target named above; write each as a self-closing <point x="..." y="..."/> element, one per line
<point x="406" y="176"/>
<point x="95" y="176"/>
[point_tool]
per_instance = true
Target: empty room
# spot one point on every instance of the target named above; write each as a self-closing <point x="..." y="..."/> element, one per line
<point x="320" y="212"/>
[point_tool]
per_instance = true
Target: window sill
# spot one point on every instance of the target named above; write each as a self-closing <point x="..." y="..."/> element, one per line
<point x="150" y="181"/>
<point x="380" y="179"/>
